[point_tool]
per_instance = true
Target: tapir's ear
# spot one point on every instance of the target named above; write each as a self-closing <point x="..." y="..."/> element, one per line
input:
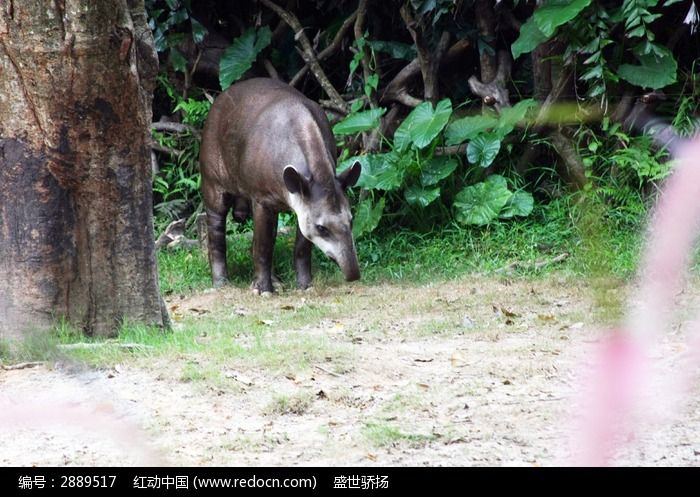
<point x="294" y="181"/>
<point x="349" y="177"/>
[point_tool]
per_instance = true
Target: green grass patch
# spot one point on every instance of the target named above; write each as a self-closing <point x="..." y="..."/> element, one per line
<point x="596" y="241"/>
<point x="255" y="340"/>
<point x="298" y="404"/>
<point x="381" y="434"/>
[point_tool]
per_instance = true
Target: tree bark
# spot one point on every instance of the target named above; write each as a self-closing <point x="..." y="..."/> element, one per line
<point x="76" y="227"/>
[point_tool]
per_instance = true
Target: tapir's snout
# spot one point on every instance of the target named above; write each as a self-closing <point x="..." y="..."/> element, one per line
<point x="349" y="264"/>
<point x="353" y="274"/>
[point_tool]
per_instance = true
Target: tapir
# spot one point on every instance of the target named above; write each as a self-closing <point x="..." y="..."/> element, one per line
<point x="266" y="149"/>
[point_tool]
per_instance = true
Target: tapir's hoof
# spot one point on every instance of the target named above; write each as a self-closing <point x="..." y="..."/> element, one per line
<point x="264" y="294"/>
<point x="220" y="282"/>
<point x="262" y="288"/>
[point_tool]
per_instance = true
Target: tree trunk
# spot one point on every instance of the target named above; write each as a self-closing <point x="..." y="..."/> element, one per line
<point x="76" y="227"/>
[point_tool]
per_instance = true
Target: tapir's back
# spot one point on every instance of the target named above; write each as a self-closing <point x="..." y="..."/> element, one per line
<point x="255" y="128"/>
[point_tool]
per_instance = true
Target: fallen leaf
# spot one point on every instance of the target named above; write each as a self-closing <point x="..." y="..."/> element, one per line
<point x="546" y="317"/>
<point x="371" y="457"/>
<point x="418" y="359"/>
<point x="264" y="322"/>
<point x="198" y="311"/>
<point x="509" y="313"/>
<point x="235" y="375"/>
<point x="457" y="360"/>
<point x="287" y="307"/>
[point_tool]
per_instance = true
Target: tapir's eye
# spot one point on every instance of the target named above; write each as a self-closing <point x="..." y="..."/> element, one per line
<point x="322" y="230"/>
<point x="489" y="100"/>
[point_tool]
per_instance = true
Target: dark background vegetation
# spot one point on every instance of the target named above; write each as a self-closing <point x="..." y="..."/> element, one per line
<point x="491" y="135"/>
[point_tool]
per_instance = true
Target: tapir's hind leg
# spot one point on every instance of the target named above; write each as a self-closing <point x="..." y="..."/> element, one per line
<point x="264" y="233"/>
<point x="217" y="204"/>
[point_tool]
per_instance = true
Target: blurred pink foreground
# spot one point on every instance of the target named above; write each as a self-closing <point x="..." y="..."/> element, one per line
<point x="625" y="389"/>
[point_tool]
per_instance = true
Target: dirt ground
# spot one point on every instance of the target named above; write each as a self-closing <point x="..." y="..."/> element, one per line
<point x="477" y="371"/>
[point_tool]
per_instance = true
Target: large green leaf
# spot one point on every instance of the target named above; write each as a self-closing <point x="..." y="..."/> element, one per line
<point x="198" y="30"/>
<point x="394" y="49"/>
<point x="436" y="169"/>
<point x="359" y="122"/>
<point x="402" y="136"/>
<point x="379" y="171"/>
<point x="239" y="57"/>
<point x="468" y="128"/>
<point x="422" y="125"/>
<point x="178" y="60"/>
<point x="367" y="216"/>
<point x="482" y="203"/>
<point x="557" y="12"/>
<point x="483" y="149"/>
<point x="520" y="204"/>
<point x="530" y="37"/>
<point x="417" y="195"/>
<point x="652" y="72"/>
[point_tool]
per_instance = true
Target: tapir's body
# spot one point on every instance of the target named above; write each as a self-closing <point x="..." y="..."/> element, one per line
<point x="266" y="148"/>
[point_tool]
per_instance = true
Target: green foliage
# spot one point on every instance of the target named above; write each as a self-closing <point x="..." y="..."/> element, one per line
<point x="484" y="202"/>
<point x="367" y="216"/>
<point x="543" y="24"/>
<point x="436" y="169"/>
<point x="655" y="70"/>
<point x="359" y="122"/>
<point x="469" y="128"/>
<point x="421" y="185"/>
<point x="529" y="39"/>
<point x="483" y="149"/>
<point x="422" y="125"/>
<point x="555" y="13"/>
<point x="239" y="57"/>
<point x="177" y="184"/>
<point x="394" y="49"/>
<point x="625" y="170"/>
<point x="171" y="22"/>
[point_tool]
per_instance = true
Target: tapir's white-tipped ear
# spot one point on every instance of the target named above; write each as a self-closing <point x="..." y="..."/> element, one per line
<point x="294" y="181"/>
<point x="349" y="177"/>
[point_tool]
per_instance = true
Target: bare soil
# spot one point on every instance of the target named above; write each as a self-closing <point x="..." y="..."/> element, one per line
<point x="476" y="371"/>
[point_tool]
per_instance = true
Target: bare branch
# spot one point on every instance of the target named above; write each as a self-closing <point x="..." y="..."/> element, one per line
<point x="166" y="150"/>
<point x="271" y="71"/>
<point x="494" y="92"/>
<point x="308" y="53"/>
<point x="359" y="33"/>
<point x="329" y="50"/>
<point x="429" y="62"/>
<point x="333" y="107"/>
<point x="397" y="89"/>
<point x="171" y="127"/>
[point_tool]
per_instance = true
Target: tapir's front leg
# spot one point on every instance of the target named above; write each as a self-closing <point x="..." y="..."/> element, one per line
<point x="302" y="260"/>
<point x="264" y="232"/>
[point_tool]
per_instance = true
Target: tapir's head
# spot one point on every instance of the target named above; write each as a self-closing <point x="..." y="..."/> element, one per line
<point x="324" y="217"/>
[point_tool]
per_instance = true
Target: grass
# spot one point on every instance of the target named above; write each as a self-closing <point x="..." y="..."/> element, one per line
<point x="602" y="250"/>
<point x="298" y="403"/>
<point x="595" y="244"/>
<point x="383" y="434"/>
